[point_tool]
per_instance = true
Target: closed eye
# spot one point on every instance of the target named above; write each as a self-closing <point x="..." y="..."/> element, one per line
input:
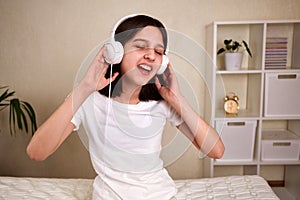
<point x="159" y="51"/>
<point x="140" y="46"/>
<point x="144" y="45"/>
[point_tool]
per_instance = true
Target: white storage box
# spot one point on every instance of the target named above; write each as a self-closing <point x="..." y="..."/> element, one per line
<point x="282" y="94"/>
<point x="280" y="145"/>
<point x="238" y="138"/>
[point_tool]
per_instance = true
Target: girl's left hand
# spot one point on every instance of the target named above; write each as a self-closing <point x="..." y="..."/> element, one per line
<point x="170" y="92"/>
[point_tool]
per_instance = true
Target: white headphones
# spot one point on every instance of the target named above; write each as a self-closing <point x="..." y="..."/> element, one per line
<point x="115" y="51"/>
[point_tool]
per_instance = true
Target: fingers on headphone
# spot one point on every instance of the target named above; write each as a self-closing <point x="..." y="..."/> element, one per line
<point x="114" y="76"/>
<point x="157" y="83"/>
<point x="101" y="51"/>
<point x="100" y="58"/>
<point x="168" y="70"/>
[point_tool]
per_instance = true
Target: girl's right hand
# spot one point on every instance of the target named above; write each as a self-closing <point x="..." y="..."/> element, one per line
<point x="51" y="134"/>
<point x="94" y="78"/>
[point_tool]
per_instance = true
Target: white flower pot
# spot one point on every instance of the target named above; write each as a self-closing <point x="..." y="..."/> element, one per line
<point x="233" y="61"/>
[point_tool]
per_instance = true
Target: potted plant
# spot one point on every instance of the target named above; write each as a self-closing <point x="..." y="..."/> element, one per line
<point x="19" y="111"/>
<point x="233" y="56"/>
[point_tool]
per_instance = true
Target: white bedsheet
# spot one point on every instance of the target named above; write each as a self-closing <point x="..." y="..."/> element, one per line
<point x="222" y="188"/>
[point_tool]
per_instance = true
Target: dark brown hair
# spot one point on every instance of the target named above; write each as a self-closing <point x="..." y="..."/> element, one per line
<point x="124" y="32"/>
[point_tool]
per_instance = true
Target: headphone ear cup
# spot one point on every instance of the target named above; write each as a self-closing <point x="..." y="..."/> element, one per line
<point x="114" y="52"/>
<point x="164" y="65"/>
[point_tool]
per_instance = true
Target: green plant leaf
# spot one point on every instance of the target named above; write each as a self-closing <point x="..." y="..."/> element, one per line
<point x="23" y="118"/>
<point x="19" y="112"/>
<point x="30" y="112"/>
<point x="5" y="95"/>
<point x="234" y="46"/>
<point x="220" y="51"/>
<point x="12" y="128"/>
<point x="247" y="48"/>
<point x="227" y="42"/>
<point x="15" y="103"/>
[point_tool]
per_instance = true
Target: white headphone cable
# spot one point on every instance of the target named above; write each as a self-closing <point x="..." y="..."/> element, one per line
<point x="110" y="77"/>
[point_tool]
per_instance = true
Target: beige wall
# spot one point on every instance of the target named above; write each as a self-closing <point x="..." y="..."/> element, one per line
<point x="43" y="42"/>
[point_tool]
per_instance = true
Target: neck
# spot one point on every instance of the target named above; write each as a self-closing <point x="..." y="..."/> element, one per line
<point x="129" y="95"/>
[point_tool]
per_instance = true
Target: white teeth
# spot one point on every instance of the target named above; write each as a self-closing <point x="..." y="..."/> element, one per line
<point x="145" y="67"/>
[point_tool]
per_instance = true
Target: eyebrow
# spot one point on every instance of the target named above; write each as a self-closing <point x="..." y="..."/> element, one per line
<point x="144" y="40"/>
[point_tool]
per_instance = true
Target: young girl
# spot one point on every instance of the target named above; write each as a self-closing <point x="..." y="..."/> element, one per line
<point x="125" y="130"/>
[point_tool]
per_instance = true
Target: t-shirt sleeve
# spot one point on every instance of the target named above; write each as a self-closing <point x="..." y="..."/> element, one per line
<point x="76" y="120"/>
<point x="173" y="117"/>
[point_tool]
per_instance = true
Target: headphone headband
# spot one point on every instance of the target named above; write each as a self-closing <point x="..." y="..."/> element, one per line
<point x="127" y="17"/>
<point x="119" y="22"/>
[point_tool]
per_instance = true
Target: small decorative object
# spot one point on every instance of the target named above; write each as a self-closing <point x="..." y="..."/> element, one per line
<point x="233" y="58"/>
<point x="231" y="104"/>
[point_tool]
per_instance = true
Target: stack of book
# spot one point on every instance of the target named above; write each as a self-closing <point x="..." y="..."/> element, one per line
<point x="276" y="53"/>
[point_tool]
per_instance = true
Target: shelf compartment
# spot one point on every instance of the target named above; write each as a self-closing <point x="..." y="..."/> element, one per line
<point x="279" y="145"/>
<point x="291" y="33"/>
<point x="246" y="86"/>
<point x="251" y="33"/>
<point x="282" y="95"/>
<point x="238" y="137"/>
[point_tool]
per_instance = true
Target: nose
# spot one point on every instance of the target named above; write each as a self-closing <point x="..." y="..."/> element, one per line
<point x="150" y="54"/>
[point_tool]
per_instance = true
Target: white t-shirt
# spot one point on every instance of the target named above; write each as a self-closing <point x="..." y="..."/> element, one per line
<point x="124" y="142"/>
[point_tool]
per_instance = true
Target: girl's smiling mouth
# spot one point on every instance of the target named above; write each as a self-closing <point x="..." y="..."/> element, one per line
<point x="145" y="67"/>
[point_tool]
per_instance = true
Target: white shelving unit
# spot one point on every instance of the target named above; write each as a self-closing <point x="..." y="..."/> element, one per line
<point x="249" y="84"/>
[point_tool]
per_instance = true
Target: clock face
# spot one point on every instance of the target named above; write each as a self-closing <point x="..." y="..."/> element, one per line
<point x="231" y="106"/>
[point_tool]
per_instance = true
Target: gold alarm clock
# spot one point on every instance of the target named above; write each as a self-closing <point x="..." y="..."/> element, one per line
<point x="231" y="104"/>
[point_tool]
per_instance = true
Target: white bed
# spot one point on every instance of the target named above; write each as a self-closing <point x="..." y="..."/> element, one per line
<point x="222" y="188"/>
